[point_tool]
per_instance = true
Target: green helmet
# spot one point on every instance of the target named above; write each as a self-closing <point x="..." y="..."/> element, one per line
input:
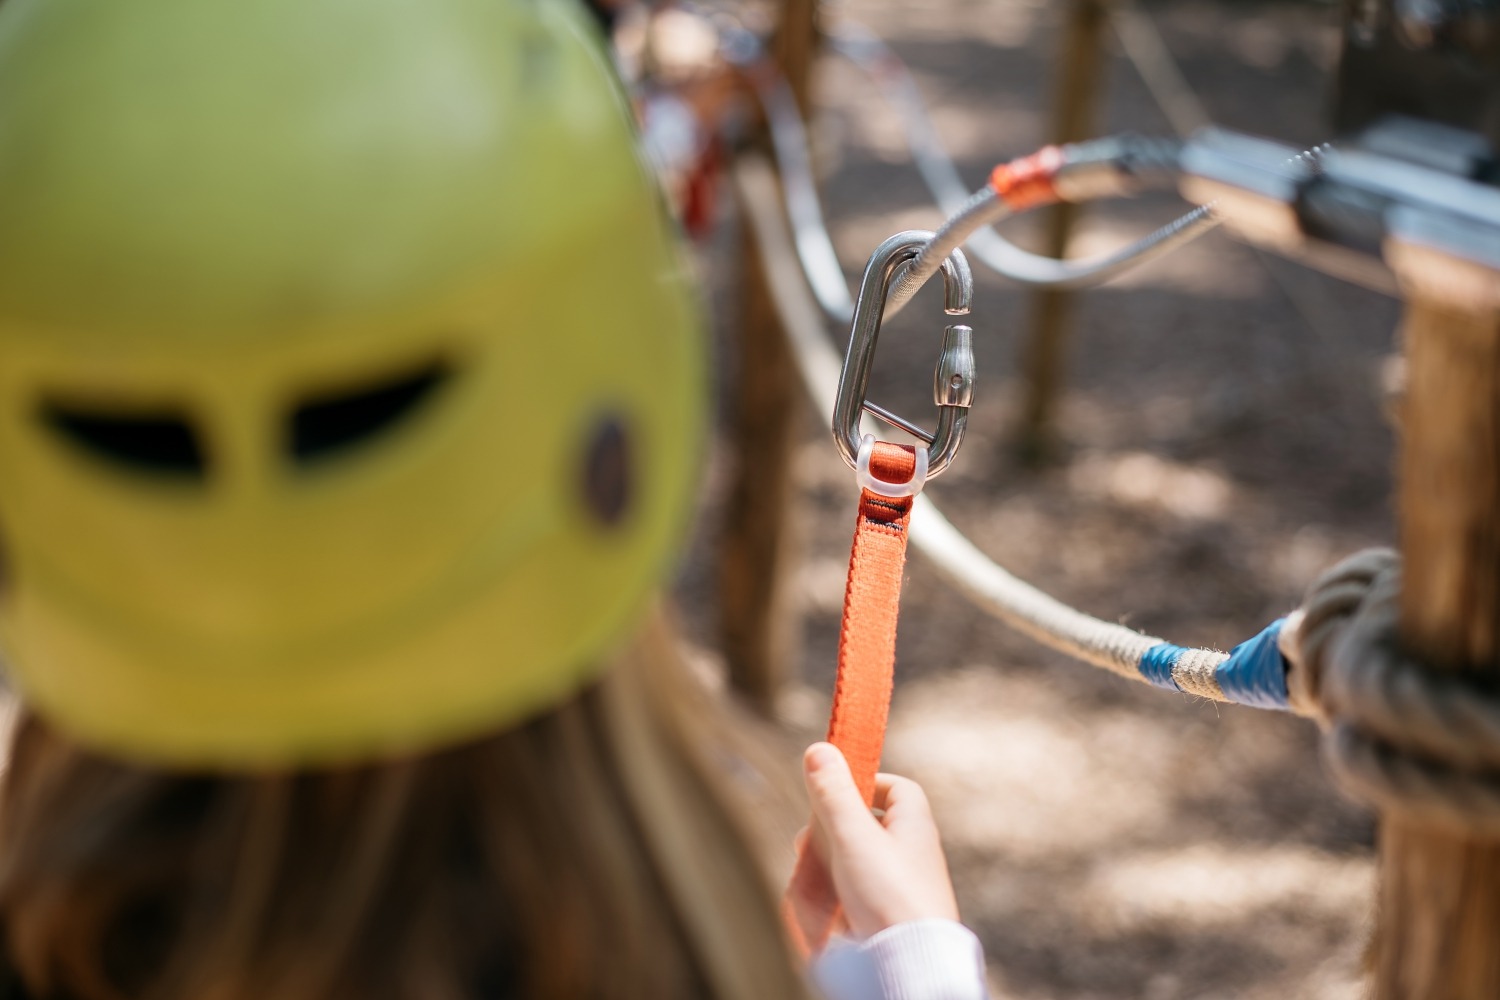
<point x="350" y="378"/>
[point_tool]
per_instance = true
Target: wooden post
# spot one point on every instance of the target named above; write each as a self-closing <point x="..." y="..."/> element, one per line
<point x="1439" y="933"/>
<point x="765" y="405"/>
<point x="1044" y="354"/>
<point x="795" y="47"/>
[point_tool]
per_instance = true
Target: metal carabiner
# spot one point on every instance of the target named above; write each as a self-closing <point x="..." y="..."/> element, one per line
<point x="953" y="381"/>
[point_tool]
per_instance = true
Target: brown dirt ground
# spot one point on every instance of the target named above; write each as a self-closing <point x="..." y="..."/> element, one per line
<point x="1225" y="440"/>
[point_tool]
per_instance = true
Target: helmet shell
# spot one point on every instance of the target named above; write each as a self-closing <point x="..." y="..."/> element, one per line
<point x="350" y="376"/>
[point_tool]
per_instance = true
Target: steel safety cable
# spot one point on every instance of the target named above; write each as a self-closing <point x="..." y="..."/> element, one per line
<point x="810" y="236"/>
<point x="869" y="52"/>
<point x="1075" y="172"/>
<point x="1100" y="168"/>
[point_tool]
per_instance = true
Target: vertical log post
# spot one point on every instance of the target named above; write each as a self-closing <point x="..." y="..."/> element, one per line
<point x="1439" y="933"/>
<point x="1073" y="106"/>
<point x="765" y="404"/>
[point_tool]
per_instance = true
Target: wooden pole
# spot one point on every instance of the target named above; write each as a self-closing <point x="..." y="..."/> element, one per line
<point x="1439" y="929"/>
<point x="796" y="46"/>
<point x="1045" y="351"/>
<point x="756" y="621"/>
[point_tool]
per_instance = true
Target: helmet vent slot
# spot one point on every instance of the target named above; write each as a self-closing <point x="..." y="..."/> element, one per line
<point x="327" y="424"/>
<point x="152" y="442"/>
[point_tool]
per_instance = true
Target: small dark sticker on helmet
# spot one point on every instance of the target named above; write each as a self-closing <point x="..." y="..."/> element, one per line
<point x="608" y="472"/>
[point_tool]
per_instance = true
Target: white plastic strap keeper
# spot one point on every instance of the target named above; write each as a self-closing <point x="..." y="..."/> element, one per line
<point x="867" y="479"/>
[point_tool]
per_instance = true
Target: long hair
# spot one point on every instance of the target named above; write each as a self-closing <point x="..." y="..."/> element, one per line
<point x="588" y="853"/>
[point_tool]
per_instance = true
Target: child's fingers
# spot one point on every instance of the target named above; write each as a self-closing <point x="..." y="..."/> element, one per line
<point x="812" y="900"/>
<point x="894" y="792"/>
<point x="838" y="808"/>
<point x="903" y="802"/>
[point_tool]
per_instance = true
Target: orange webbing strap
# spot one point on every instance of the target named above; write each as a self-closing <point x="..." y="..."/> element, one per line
<point x="866" y="666"/>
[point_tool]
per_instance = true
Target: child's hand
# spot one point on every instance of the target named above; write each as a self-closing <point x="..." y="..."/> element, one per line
<point x="883" y="871"/>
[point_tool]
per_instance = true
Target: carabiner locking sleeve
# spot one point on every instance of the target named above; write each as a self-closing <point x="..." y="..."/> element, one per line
<point x="953" y="381"/>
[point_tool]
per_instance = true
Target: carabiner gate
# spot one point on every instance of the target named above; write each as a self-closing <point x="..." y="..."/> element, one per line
<point x="953" y="381"/>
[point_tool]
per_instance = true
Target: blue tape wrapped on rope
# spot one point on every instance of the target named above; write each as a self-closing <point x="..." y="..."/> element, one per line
<point x="1255" y="673"/>
<point x="1157" y="663"/>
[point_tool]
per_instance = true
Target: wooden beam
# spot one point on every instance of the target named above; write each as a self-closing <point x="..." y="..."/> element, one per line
<point x="1439" y="923"/>
<point x="756" y="616"/>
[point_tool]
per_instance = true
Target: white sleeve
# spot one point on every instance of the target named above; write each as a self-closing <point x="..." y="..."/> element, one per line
<point x="918" y="960"/>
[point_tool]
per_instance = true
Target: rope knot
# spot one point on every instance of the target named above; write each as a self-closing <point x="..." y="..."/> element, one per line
<point x="1409" y="740"/>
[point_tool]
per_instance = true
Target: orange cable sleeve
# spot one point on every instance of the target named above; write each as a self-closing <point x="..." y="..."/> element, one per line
<point x="1027" y="182"/>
